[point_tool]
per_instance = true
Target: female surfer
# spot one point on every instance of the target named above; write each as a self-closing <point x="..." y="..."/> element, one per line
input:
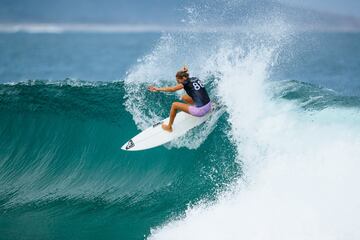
<point x="197" y="99"/>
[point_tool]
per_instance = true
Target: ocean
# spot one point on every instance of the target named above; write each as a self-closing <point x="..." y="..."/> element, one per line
<point x="280" y="163"/>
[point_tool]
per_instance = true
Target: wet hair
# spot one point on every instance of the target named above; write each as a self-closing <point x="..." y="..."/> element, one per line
<point x="182" y="74"/>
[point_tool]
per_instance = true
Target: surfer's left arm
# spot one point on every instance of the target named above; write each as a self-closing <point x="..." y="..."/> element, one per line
<point x="166" y="89"/>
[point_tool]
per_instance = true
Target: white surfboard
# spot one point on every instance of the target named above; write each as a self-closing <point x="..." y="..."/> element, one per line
<point x="155" y="136"/>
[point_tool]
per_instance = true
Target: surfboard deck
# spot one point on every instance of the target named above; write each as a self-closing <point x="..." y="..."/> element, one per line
<point x="155" y="136"/>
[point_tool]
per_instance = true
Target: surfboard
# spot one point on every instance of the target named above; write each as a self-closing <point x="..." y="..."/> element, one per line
<point x="155" y="136"/>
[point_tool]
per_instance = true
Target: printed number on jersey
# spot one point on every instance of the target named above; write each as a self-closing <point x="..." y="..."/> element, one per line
<point x="197" y="85"/>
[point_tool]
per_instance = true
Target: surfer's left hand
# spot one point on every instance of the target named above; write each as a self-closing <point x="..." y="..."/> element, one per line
<point x="153" y="89"/>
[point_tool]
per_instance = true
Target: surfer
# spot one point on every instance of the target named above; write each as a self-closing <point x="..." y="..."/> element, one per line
<point x="197" y="101"/>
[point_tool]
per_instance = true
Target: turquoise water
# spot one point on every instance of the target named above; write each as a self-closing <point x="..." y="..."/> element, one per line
<point x="69" y="101"/>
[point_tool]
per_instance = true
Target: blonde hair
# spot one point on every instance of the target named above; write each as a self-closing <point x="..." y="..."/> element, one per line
<point x="183" y="73"/>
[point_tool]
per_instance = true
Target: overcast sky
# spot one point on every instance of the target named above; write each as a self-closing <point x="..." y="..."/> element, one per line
<point x="346" y="7"/>
<point x="145" y="11"/>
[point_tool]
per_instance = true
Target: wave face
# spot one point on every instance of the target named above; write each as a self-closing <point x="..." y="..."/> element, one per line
<point x="61" y="162"/>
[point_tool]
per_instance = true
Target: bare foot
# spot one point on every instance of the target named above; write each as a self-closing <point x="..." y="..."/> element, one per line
<point x="166" y="127"/>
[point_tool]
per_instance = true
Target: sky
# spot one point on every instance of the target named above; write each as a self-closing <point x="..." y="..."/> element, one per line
<point x="344" y="7"/>
<point x="140" y="11"/>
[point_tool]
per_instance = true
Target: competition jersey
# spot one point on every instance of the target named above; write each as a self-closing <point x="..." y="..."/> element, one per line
<point x="196" y="90"/>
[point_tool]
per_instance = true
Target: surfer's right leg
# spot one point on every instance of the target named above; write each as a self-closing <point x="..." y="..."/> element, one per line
<point x="174" y="108"/>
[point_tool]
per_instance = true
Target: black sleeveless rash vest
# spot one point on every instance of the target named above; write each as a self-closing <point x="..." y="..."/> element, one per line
<point x="196" y="90"/>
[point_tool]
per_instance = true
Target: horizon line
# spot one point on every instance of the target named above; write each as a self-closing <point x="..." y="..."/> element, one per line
<point x="149" y="28"/>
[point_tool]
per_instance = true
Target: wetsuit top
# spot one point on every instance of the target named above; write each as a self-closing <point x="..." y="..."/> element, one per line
<point x="196" y="90"/>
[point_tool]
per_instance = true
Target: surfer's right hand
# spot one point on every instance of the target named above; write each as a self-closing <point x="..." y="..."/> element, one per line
<point x="153" y="89"/>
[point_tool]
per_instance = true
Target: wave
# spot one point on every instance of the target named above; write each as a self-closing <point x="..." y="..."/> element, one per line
<point x="63" y="127"/>
<point x="60" y="148"/>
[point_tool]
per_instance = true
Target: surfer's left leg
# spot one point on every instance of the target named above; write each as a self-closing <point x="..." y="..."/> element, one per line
<point x="176" y="106"/>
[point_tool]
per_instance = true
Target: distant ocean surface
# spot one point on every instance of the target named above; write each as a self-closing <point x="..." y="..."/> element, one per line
<point x="281" y="162"/>
<point x="325" y="59"/>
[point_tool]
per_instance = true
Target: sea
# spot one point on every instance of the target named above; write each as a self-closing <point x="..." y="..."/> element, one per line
<point x="281" y="162"/>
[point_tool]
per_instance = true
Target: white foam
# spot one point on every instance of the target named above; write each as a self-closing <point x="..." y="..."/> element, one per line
<point x="301" y="183"/>
<point x="300" y="167"/>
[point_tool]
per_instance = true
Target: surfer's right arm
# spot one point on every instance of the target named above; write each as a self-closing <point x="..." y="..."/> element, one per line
<point x="166" y="89"/>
